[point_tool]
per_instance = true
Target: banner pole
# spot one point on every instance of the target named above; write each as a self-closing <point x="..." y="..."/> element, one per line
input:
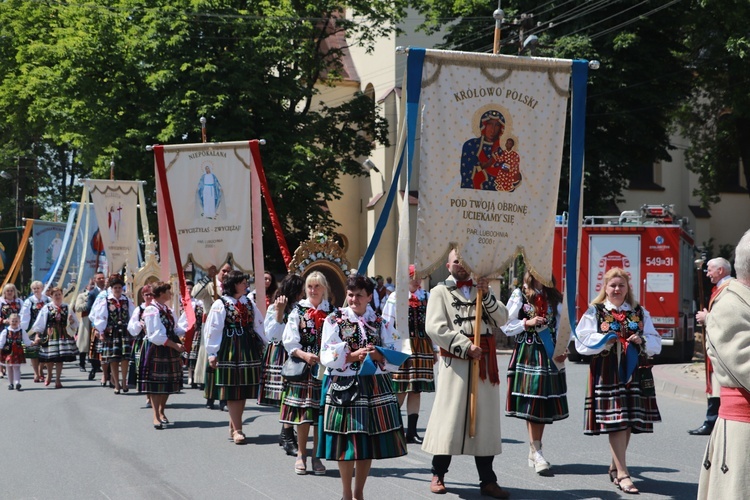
<point x="498" y="15"/>
<point x="475" y="368"/>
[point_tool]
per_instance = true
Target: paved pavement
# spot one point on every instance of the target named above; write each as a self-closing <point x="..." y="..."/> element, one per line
<point x="686" y="380"/>
<point x="83" y="442"/>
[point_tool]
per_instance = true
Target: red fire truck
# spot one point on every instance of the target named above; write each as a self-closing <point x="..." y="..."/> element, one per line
<point x="655" y="248"/>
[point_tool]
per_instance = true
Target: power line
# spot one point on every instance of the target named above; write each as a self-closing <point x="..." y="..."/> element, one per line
<point x="631" y="21"/>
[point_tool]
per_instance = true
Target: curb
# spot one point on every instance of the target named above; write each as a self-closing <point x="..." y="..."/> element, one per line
<point x="670" y="380"/>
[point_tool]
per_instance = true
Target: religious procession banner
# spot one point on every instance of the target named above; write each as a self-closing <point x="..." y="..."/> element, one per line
<point x="77" y="239"/>
<point x="490" y="157"/>
<point x="116" y="208"/>
<point x="211" y="207"/>
<point x="47" y="247"/>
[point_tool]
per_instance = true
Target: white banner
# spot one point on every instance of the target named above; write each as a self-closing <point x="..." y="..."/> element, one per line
<point x="490" y="157"/>
<point x="209" y="186"/>
<point x="116" y="208"/>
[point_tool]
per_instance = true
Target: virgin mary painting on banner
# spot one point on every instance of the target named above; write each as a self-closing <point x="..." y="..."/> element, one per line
<point x="210" y="199"/>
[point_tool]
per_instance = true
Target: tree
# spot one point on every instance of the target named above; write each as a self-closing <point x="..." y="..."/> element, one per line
<point x="716" y="118"/>
<point x="102" y="80"/>
<point x="631" y="99"/>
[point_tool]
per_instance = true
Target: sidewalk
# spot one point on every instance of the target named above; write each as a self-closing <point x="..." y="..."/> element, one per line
<point x="685" y="380"/>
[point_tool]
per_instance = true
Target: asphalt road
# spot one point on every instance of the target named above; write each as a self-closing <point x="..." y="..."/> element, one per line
<point x="84" y="442"/>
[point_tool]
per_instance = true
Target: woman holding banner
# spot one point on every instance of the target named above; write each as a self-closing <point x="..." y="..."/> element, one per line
<point x="161" y="361"/>
<point x="29" y="312"/>
<point x="620" y="399"/>
<point x="358" y="429"/>
<point x="536" y="387"/>
<point x="57" y="344"/>
<point x="301" y="399"/>
<point x="234" y="340"/>
<point x="109" y="317"/>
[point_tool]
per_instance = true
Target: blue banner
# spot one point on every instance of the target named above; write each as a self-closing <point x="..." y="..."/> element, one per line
<point x="46" y="246"/>
<point x="93" y="246"/>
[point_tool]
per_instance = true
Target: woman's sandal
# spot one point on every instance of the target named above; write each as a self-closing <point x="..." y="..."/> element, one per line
<point x="300" y="465"/>
<point x="632" y="490"/>
<point x="317" y="467"/>
<point x="238" y="437"/>
<point x="612" y="475"/>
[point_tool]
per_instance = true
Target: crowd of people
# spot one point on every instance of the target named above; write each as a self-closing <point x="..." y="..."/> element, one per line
<point x="339" y="373"/>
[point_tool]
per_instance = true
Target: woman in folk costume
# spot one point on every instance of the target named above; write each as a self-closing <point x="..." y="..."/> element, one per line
<point x="53" y="323"/>
<point x="137" y="329"/>
<point x="9" y="304"/>
<point x="726" y="463"/>
<point x="416" y="375"/>
<point x="233" y="339"/>
<point x="161" y="360"/>
<point x="301" y="400"/>
<point x="200" y="313"/>
<point x="537" y="390"/>
<point x="29" y="311"/>
<point x="290" y="291"/>
<point x="370" y="427"/>
<point x="209" y="293"/>
<point x="13" y="339"/>
<point x="619" y="400"/>
<point x="109" y="317"/>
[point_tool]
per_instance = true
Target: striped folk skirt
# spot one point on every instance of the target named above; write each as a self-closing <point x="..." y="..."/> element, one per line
<point x="612" y="405"/>
<point x="31" y="351"/>
<point x="537" y="391"/>
<point x="416" y="374"/>
<point x="237" y="375"/>
<point x="301" y="401"/>
<point x="271" y="381"/>
<point x="369" y="428"/>
<point x="195" y="346"/>
<point x="59" y="347"/>
<point x="140" y="346"/>
<point x="116" y="346"/>
<point x="161" y="370"/>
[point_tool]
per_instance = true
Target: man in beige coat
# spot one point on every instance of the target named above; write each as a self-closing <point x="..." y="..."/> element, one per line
<point x="451" y="313"/>
<point x="726" y="463"/>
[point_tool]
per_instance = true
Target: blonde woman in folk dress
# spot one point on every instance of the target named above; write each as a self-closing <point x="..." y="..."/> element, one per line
<point x="537" y="389"/>
<point x="9" y="304"/>
<point x="110" y="316"/>
<point x="371" y="427"/>
<point x="29" y="311"/>
<point x="417" y="374"/>
<point x="13" y="339"/>
<point x="233" y="339"/>
<point x="301" y="400"/>
<point x="53" y="323"/>
<point x="615" y="402"/>
<point x="290" y="291"/>
<point x="161" y="360"/>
